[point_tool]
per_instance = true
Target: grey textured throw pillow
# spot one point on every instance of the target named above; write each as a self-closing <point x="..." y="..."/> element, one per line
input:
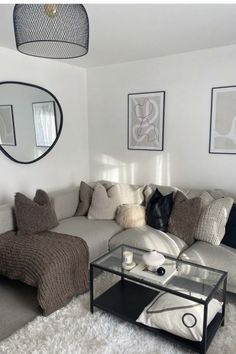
<point x="212" y="222"/>
<point x="184" y="217"/>
<point x="85" y="199"/>
<point x="33" y="216"/>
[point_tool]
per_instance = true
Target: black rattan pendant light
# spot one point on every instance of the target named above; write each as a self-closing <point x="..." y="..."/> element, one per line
<point x="59" y="31"/>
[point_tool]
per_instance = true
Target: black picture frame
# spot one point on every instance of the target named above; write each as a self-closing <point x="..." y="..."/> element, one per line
<point x="146" y="96"/>
<point x="212" y="132"/>
<point x="12" y="125"/>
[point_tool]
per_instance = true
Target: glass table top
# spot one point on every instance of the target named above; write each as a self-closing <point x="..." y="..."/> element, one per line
<point x="193" y="280"/>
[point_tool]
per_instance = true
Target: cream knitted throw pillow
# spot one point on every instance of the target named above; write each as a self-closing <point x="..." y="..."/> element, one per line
<point x="211" y="225"/>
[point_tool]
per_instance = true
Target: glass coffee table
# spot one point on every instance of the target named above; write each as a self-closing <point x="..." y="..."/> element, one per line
<point x="136" y="288"/>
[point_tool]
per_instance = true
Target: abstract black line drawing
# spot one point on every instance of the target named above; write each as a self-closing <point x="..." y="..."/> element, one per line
<point x="146" y="120"/>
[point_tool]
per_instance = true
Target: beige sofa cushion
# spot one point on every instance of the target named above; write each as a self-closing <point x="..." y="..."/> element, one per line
<point x="213" y="219"/>
<point x="106" y="201"/>
<point x="96" y="233"/>
<point x="215" y="193"/>
<point x="150" y="239"/>
<point x="65" y="202"/>
<point x="219" y="257"/>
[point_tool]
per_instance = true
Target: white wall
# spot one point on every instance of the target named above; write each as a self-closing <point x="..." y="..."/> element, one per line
<point x="187" y="79"/>
<point x="67" y="163"/>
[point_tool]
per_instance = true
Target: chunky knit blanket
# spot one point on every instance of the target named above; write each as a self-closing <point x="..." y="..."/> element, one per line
<point x="56" y="264"/>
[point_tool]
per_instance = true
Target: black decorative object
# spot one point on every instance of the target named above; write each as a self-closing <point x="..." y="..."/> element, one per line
<point x="189" y="317"/>
<point x="59" y="31"/>
<point x="161" y="271"/>
<point x="158" y="210"/>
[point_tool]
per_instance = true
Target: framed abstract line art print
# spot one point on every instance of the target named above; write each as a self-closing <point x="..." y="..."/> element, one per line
<point x="7" y="127"/>
<point x="223" y="120"/>
<point x="146" y="120"/>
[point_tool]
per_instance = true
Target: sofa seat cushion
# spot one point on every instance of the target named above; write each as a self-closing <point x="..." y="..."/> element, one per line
<point x="148" y="238"/>
<point x="95" y="232"/>
<point x="219" y="257"/>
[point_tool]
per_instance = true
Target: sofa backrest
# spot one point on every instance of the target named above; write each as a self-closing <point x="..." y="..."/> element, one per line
<point x="7" y="219"/>
<point x="163" y="189"/>
<point x="215" y="193"/>
<point x="65" y="202"/>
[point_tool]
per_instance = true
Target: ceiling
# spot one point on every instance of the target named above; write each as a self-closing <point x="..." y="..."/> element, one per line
<point x="125" y="32"/>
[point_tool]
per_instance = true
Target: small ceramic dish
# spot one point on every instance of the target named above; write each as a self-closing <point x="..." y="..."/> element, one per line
<point x="128" y="266"/>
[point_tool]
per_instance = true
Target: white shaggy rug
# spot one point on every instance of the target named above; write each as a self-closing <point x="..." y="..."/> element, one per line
<point x="74" y="330"/>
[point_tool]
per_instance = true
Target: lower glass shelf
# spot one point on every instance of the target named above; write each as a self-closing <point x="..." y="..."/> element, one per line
<point x="127" y="300"/>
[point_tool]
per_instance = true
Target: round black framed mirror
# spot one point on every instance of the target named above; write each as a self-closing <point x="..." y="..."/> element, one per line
<point x="31" y="121"/>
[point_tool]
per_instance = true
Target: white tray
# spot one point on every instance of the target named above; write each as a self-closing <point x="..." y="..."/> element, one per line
<point x="143" y="273"/>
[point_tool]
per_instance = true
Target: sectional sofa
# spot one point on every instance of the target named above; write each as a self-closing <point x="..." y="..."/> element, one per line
<point x="102" y="235"/>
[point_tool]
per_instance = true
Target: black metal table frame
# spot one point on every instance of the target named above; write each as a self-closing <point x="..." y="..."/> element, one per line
<point x="206" y="340"/>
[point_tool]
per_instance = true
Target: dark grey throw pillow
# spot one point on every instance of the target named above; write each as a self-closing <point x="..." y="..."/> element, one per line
<point x="34" y="216"/>
<point x="184" y="217"/>
<point x="85" y="199"/>
<point x="158" y="210"/>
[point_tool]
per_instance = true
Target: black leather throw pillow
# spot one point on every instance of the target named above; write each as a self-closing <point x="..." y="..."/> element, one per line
<point x="158" y="210"/>
<point x="230" y="229"/>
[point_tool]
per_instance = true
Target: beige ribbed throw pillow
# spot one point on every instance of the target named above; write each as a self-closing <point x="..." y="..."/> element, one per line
<point x="106" y="201"/>
<point x="213" y="219"/>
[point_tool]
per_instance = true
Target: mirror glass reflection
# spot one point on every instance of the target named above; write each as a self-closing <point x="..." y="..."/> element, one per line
<point x="30" y="121"/>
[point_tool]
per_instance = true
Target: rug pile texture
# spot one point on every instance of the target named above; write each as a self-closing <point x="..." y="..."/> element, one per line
<point x="74" y="330"/>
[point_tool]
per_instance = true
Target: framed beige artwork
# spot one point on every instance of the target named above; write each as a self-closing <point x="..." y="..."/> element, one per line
<point x="223" y="120"/>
